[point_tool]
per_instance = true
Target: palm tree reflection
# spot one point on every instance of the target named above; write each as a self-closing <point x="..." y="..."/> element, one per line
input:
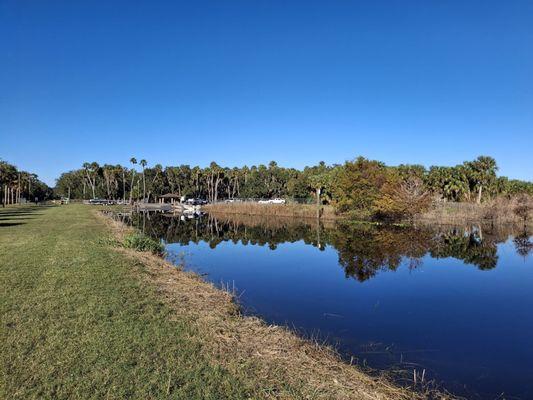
<point x="363" y="249"/>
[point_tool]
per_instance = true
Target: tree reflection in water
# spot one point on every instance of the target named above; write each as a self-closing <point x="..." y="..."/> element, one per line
<point x="523" y="244"/>
<point x="363" y="249"/>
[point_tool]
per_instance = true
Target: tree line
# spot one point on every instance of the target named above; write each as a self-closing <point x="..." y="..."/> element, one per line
<point x="16" y="185"/>
<point x="362" y="186"/>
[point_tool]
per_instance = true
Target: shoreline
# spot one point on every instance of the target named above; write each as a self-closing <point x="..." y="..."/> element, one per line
<point x="495" y="213"/>
<point x="277" y="355"/>
<point x="307" y="211"/>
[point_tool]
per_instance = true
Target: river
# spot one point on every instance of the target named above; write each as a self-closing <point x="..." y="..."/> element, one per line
<point x="454" y="304"/>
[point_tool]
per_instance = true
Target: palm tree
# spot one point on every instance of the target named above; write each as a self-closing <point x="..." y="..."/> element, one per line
<point x="318" y="183"/>
<point x="133" y="160"/>
<point x="143" y="164"/>
<point x="482" y="173"/>
<point x="8" y="175"/>
<point x="123" y="185"/>
<point x="91" y="171"/>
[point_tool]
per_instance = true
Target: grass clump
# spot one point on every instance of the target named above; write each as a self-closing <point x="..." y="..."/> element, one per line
<point x="141" y="242"/>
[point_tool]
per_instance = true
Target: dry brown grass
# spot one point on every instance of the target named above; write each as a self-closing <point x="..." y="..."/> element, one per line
<point x="499" y="211"/>
<point x="270" y="221"/>
<point x="277" y="210"/>
<point x="278" y="363"/>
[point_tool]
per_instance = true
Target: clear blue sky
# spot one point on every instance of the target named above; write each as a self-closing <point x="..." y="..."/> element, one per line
<point x="246" y="82"/>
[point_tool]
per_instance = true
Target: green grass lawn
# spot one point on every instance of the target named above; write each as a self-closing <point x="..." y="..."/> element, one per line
<point x="77" y="322"/>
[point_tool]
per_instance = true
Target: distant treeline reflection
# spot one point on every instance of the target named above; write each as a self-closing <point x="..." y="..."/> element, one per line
<point x="363" y="249"/>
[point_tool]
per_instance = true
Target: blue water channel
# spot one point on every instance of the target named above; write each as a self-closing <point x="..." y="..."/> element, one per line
<point x="453" y="303"/>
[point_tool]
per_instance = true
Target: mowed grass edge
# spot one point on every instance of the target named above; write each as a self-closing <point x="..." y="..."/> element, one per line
<point x="77" y="323"/>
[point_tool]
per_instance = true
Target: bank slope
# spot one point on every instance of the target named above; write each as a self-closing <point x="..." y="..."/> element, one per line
<point x="83" y="318"/>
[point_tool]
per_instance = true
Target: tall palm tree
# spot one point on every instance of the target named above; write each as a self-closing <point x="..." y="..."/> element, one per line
<point x="133" y="160"/>
<point x="91" y="171"/>
<point x="143" y="164"/>
<point x="8" y="175"/>
<point x="482" y="173"/>
<point x="123" y="185"/>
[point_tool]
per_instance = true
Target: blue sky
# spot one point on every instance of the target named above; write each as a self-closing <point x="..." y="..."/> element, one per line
<point x="246" y="82"/>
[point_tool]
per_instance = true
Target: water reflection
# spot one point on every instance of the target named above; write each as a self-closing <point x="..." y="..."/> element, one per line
<point x="523" y="244"/>
<point x="363" y="249"/>
<point x="455" y="301"/>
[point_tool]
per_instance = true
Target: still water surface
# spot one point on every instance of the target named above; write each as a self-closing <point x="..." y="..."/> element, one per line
<point x="457" y="302"/>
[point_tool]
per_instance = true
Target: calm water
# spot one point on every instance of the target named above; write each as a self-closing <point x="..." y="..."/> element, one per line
<point x="457" y="302"/>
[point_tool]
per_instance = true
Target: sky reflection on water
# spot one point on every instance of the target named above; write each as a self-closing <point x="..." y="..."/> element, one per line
<point x="455" y="301"/>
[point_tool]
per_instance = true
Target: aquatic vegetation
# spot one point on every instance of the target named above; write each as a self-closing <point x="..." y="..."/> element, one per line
<point x="141" y="242"/>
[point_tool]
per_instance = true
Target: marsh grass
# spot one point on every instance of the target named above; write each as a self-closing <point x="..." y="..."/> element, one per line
<point x="501" y="210"/>
<point x="274" y="210"/>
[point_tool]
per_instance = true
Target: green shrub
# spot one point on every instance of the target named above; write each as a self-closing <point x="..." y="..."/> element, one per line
<point x="141" y="242"/>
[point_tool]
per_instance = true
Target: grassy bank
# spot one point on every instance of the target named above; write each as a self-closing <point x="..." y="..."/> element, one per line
<point x="78" y="323"/>
<point x="274" y="210"/>
<point x="497" y="211"/>
<point x="83" y="317"/>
